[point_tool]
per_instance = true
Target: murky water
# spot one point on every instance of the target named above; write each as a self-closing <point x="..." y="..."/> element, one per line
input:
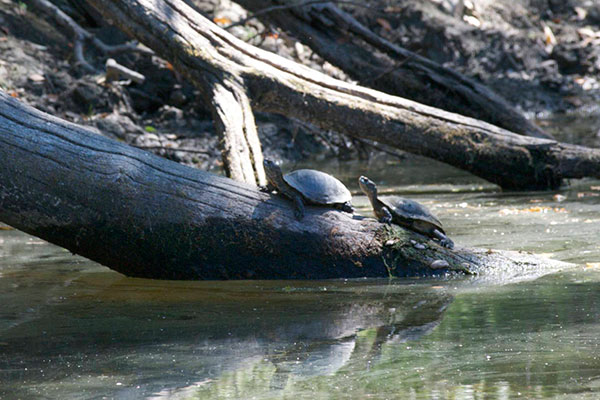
<point x="72" y="329"/>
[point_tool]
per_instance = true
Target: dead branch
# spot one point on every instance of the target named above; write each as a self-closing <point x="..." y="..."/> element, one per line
<point x="115" y="71"/>
<point x="332" y="34"/>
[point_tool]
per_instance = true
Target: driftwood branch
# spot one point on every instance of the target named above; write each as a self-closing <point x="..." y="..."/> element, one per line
<point x="116" y="71"/>
<point x="146" y="216"/>
<point x="333" y="34"/>
<point x="206" y="53"/>
<point x="234" y="122"/>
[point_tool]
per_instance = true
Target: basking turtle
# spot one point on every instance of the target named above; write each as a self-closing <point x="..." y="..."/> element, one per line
<point x="404" y="212"/>
<point x="310" y="186"/>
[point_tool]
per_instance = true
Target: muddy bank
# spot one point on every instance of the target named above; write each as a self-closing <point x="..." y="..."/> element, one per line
<point x="541" y="55"/>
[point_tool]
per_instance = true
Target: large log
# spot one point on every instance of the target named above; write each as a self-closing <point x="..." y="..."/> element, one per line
<point x="150" y="217"/>
<point x="202" y="51"/>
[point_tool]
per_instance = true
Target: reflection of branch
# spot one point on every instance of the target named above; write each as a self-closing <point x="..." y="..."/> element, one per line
<point x="82" y="35"/>
<point x="184" y="149"/>
<point x="294" y="5"/>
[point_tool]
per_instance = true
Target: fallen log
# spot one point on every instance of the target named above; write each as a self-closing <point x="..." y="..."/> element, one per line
<point x="146" y="216"/>
<point x="204" y="53"/>
<point x="334" y="35"/>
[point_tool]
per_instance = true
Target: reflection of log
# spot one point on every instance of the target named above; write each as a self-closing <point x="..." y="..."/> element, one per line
<point x="200" y="49"/>
<point x="146" y="216"/>
<point x="228" y="326"/>
<point x="333" y="34"/>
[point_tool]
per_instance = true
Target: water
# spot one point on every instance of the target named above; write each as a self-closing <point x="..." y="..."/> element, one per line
<point x="71" y="329"/>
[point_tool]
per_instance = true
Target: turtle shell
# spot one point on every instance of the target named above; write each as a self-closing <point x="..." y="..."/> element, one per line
<point x="411" y="212"/>
<point x="318" y="187"/>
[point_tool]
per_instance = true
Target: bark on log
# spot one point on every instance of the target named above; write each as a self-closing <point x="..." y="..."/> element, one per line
<point x="333" y="35"/>
<point x="202" y="51"/>
<point x="146" y="216"/>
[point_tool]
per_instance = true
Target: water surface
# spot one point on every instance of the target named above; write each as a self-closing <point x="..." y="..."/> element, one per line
<point x="70" y="328"/>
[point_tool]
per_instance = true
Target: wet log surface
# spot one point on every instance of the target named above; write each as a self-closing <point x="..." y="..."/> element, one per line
<point x="205" y="53"/>
<point x="150" y="217"/>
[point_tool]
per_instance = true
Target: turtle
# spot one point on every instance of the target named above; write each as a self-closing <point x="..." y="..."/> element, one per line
<point x="308" y="186"/>
<point x="404" y="212"/>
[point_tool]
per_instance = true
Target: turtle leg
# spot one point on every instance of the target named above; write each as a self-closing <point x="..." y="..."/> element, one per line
<point x="444" y="240"/>
<point x="268" y="188"/>
<point x="299" y="211"/>
<point x="347" y="206"/>
<point x="386" y="218"/>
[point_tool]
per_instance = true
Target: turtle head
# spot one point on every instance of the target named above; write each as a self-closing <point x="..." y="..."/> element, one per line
<point x="367" y="186"/>
<point x="272" y="171"/>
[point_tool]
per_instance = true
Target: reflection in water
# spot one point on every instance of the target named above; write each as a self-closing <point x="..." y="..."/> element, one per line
<point x="532" y="340"/>
<point x="107" y="335"/>
<point x="72" y="329"/>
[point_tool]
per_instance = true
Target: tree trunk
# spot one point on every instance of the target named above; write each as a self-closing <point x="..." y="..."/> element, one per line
<point x="201" y="50"/>
<point x="333" y="35"/>
<point x="150" y="217"/>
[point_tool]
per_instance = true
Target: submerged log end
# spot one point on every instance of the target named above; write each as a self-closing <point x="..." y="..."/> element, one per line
<point x="406" y="253"/>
